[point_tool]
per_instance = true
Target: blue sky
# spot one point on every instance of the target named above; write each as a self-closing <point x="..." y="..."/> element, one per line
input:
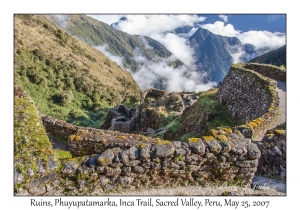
<point x="247" y="22"/>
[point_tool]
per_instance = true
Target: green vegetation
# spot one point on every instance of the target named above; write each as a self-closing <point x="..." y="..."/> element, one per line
<point x="275" y="57"/>
<point x="31" y="143"/>
<point x="187" y="136"/>
<point x="219" y="115"/>
<point x="97" y="33"/>
<point x="174" y="125"/>
<point x="62" y="154"/>
<point x="66" y="78"/>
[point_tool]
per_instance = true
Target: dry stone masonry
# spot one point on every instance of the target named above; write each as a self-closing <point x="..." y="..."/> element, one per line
<point x="273" y="158"/>
<point x="105" y="160"/>
<point x="250" y="97"/>
<point x="266" y="70"/>
<point x="112" y="159"/>
<point x="122" y="119"/>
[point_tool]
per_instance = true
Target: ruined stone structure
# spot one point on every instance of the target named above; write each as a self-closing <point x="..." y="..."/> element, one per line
<point x="273" y="154"/>
<point x="266" y="70"/>
<point x="120" y="159"/>
<point x="105" y="160"/>
<point x="123" y="119"/>
<point x="250" y="97"/>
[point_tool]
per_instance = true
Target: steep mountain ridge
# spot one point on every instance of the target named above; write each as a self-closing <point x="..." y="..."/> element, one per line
<point x="119" y="43"/>
<point x="276" y="57"/>
<point x="65" y="77"/>
<point x="214" y="53"/>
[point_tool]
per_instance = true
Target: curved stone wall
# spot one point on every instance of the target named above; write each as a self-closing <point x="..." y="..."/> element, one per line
<point x="107" y="160"/>
<point x="152" y="92"/>
<point x="266" y="70"/>
<point x="250" y="97"/>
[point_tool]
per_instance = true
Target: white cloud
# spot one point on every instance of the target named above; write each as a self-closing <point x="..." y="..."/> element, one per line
<point x="224" y="18"/>
<point x="114" y="58"/>
<point x="61" y="20"/>
<point x="174" y="79"/>
<point x="179" y="47"/>
<point x="148" y="72"/>
<point x="220" y="28"/>
<point x="189" y="34"/>
<point x="158" y="28"/>
<point x="260" y="39"/>
<point x="152" y="24"/>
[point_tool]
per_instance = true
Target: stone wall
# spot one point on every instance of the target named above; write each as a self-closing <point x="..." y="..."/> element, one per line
<point x="121" y="118"/>
<point x="250" y="97"/>
<point x="273" y="154"/>
<point x="152" y="92"/>
<point x="35" y="164"/>
<point x="115" y="160"/>
<point x="266" y="70"/>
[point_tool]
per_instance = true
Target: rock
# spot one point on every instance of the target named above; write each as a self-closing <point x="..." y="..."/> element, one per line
<point x="116" y="165"/>
<point x="206" y="167"/>
<point x="221" y="165"/>
<point x="37" y="190"/>
<point x="100" y="169"/>
<point x="145" y="151"/>
<point x="51" y="164"/>
<point x="253" y="152"/>
<point x="93" y="160"/>
<point x="233" y="158"/>
<point x="116" y="151"/>
<point x="41" y="169"/>
<point x="204" y="174"/>
<point x="197" y="146"/>
<point x="70" y="168"/>
<point x="248" y="170"/>
<point x="48" y="178"/>
<point x="123" y="180"/>
<point x="276" y="150"/>
<point x="193" y="167"/>
<point x="225" y="146"/>
<point x="174" y="165"/>
<point x="222" y="159"/>
<point x="105" y="158"/>
<point x="19" y="178"/>
<point x="271" y="152"/>
<point x="247" y="163"/>
<point x="113" y="172"/>
<point x="124" y="157"/>
<point x="243" y="156"/>
<point x="162" y="150"/>
<point x="30" y="172"/>
<point x="138" y="169"/>
<point x="21" y="192"/>
<point x="133" y="163"/>
<point x="238" y="147"/>
<point x="103" y="180"/>
<point x="126" y="171"/>
<point x="177" y="144"/>
<point x="180" y="151"/>
<point x="213" y="146"/>
<point x="134" y="153"/>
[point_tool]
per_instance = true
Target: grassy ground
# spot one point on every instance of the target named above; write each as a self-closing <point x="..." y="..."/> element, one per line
<point x="66" y="78"/>
<point x="219" y="115"/>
